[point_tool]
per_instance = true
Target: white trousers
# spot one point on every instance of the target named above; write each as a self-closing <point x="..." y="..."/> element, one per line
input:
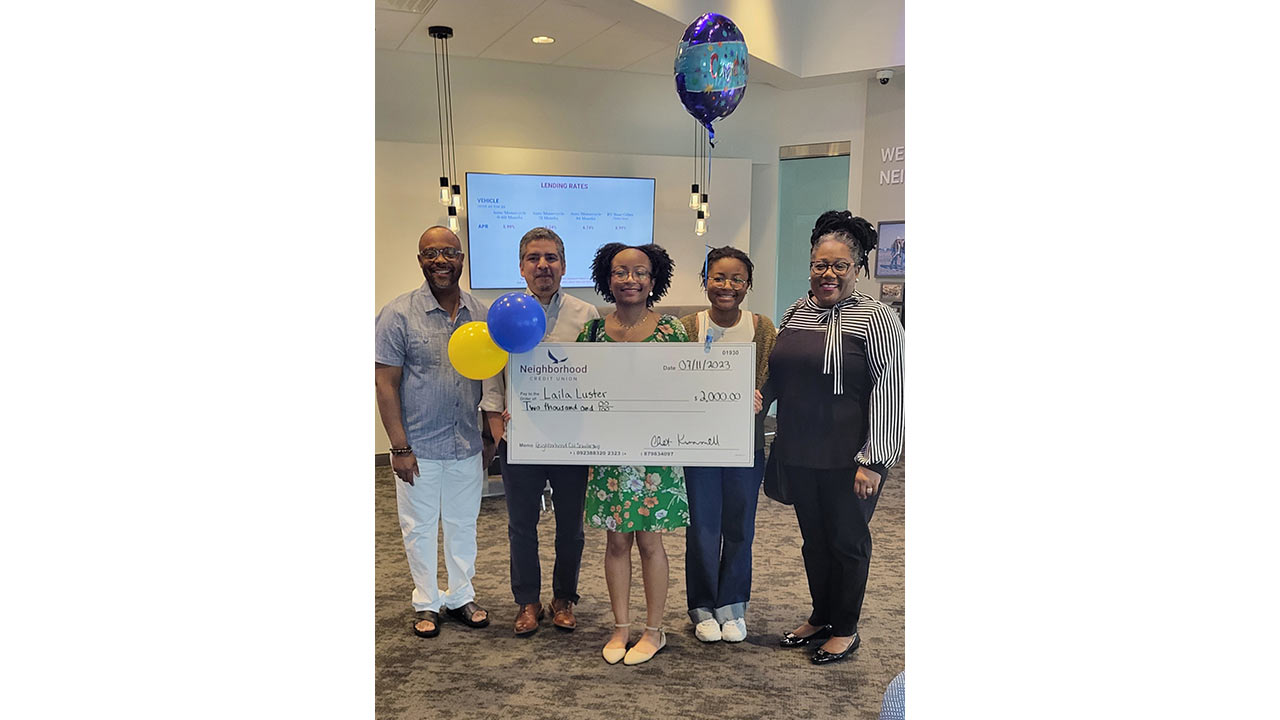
<point x="445" y="492"/>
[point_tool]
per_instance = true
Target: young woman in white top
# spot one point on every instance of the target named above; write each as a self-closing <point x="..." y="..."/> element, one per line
<point x="722" y="500"/>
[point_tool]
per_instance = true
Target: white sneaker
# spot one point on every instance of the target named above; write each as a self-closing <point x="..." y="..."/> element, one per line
<point x="734" y="630"/>
<point x="707" y="630"/>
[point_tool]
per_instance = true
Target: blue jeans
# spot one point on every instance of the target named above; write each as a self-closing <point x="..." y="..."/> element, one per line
<point x="722" y="526"/>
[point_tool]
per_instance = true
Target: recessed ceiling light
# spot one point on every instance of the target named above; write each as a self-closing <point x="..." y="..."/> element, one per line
<point x="543" y="40"/>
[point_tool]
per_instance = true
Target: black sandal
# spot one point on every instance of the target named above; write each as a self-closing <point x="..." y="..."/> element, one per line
<point x="463" y="615"/>
<point x="430" y="616"/>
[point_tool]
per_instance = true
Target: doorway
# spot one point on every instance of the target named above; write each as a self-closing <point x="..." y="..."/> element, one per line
<point x="811" y="180"/>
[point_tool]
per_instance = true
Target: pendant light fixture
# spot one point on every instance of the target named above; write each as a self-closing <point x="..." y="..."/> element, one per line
<point x="450" y="186"/>
<point x="700" y="201"/>
<point x="695" y="196"/>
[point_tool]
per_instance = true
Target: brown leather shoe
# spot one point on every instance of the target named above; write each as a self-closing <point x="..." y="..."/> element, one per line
<point x="562" y="614"/>
<point x="527" y="619"/>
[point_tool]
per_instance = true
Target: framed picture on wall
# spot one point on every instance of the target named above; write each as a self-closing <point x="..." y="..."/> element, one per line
<point x="892" y="293"/>
<point x="891" y="252"/>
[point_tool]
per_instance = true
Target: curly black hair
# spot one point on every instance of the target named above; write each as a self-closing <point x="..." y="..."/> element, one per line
<point x="721" y="253"/>
<point x="849" y="229"/>
<point x="659" y="260"/>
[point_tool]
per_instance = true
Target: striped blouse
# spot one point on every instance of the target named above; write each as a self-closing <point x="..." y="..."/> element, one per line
<point x="837" y="371"/>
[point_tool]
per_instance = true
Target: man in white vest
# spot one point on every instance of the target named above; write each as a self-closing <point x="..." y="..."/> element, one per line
<point x="542" y="264"/>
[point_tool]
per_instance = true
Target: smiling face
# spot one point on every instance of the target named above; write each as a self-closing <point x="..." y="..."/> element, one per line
<point x="727" y="283"/>
<point x="629" y="289"/>
<point x="441" y="271"/>
<point x="829" y="287"/>
<point x="542" y="267"/>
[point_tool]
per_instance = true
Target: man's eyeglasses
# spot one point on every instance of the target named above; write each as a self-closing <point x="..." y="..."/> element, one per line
<point x="640" y="274"/>
<point x="433" y="253"/>
<point x="737" y="283"/>
<point x="840" y="266"/>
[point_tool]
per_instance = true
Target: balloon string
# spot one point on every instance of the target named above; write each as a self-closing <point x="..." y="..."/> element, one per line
<point x="697" y="153"/>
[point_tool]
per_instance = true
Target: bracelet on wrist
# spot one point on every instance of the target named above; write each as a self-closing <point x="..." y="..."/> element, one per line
<point x="401" y="451"/>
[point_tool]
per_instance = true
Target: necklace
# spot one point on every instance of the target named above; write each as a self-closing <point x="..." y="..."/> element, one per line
<point x="626" y="326"/>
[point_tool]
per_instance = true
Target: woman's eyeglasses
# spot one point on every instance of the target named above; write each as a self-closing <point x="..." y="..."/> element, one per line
<point x="841" y="267"/>
<point x="640" y="274"/>
<point x="737" y="283"/>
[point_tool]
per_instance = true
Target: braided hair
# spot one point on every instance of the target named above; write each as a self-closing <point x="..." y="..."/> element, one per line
<point x="853" y="231"/>
<point x="659" y="260"/>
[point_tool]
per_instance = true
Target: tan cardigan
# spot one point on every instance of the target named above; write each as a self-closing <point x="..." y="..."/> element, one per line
<point x="765" y="337"/>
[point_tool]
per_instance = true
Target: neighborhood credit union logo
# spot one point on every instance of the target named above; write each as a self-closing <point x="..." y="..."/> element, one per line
<point x="558" y="366"/>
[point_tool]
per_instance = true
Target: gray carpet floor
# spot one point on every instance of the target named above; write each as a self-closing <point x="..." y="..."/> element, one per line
<point x="490" y="673"/>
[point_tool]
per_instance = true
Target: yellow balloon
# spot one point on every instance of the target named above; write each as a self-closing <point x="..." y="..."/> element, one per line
<point x="474" y="354"/>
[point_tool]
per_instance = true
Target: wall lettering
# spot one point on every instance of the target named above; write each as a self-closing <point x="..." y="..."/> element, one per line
<point x="888" y="155"/>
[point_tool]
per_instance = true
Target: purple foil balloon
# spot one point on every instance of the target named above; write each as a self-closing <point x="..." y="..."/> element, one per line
<point x="711" y="69"/>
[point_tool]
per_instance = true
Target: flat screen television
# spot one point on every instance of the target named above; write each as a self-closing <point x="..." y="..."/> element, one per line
<point x="586" y="212"/>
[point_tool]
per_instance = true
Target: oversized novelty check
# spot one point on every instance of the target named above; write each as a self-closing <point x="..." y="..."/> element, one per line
<point x="632" y="404"/>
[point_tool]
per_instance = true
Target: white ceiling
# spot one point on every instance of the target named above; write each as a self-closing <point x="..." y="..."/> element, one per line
<point x="600" y="34"/>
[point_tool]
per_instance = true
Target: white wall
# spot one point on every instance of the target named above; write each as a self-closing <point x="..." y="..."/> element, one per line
<point x="808" y="37"/>
<point x="509" y="104"/>
<point x="884" y="129"/>
<point x="847" y="36"/>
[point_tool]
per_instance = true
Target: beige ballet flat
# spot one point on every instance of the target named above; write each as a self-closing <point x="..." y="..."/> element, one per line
<point x="635" y="656"/>
<point x="613" y="654"/>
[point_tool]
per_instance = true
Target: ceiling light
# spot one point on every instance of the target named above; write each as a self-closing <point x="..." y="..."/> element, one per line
<point x="449" y="192"/>
<point x="543" y="40"/>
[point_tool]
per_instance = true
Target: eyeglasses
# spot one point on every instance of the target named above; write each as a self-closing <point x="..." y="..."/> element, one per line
<point x="736" y="283"/>
<point x="841" y="267"/>
<point x="640" y="274"/>
<point x="433" y="253"/>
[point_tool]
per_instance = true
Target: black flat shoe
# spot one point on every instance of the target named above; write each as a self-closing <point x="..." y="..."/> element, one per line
<point x="822" y="657"/>
<point x="791" y="640"/>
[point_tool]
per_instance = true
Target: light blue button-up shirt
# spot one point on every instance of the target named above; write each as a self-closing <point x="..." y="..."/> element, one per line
<point x="438" y="406"/>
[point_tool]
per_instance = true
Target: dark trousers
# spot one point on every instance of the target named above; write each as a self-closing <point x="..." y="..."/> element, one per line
<point x="837" y="543"/>
<point x="523" y="486"/>
<point x="722" y="526"/>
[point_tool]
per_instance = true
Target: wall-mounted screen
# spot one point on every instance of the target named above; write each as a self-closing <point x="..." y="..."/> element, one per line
<point x="586" y="212"/>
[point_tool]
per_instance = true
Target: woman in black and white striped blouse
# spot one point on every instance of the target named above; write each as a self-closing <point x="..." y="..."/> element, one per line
<point x="836" y="372"/>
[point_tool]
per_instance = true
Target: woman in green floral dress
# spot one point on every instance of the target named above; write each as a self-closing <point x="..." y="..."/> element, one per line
<point x="635" y="503"/>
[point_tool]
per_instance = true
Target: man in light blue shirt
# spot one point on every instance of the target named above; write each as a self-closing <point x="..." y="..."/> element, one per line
<point x="431" y="418"/>
<point x="542" y="265"/>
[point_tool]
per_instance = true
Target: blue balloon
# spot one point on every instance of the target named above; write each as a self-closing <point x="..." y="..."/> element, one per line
<point x="711" y="69"/>
<point x="517" y="322"/>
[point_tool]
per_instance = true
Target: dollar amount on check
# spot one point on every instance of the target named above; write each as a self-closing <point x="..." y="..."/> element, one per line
<point x="632" y="404"/>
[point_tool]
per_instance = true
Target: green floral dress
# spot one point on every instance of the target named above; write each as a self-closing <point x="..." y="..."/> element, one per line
<point x="638" y="497"/>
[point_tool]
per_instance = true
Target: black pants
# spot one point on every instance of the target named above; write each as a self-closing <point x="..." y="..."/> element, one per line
<point x="523" y="485"/>
<point x="837" y="543"/>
